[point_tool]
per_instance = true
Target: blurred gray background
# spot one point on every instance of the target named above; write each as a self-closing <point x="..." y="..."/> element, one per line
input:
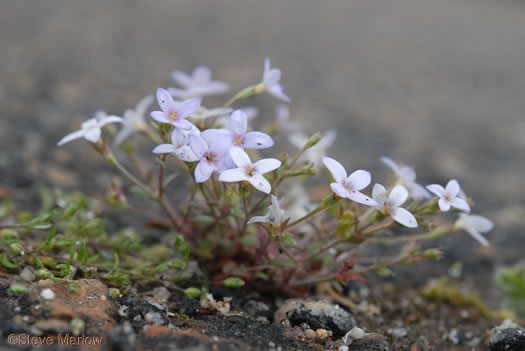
<point x="436" y="84"/>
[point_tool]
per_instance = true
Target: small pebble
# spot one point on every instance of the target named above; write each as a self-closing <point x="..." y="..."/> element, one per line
<point x="322" y="333"/>
<point x="398" y="332"/>
<point x="47" y="294"/>
<point x="310" y="334"/>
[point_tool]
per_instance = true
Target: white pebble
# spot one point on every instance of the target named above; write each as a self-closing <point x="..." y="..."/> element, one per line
<point x="47" y="294"/>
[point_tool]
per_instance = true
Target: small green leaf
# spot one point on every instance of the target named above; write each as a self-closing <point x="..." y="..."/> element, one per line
<point x="233" y="282"/>
<point x="288" y="240"/>
<point x="203" y="219"/>
<point x="17" y="289"/>
<point x="6" y="263"/>
<point x="193" y="292"/>
<point x="82" y="255"/>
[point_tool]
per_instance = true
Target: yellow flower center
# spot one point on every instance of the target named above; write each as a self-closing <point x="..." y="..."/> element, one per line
<point x="210" y="158"/>
<point x="250" y="171"/>
<point x="237" y="141"/>
<point x="173" y="116"/>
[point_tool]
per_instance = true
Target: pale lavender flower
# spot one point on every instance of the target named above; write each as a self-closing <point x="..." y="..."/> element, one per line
<point x="239" y="135"/>
<point x="349" y="187"/>
<point x="250" y="111"/>
<point x="448" y="197"/>
<point x="248" y="171"/>
<point x="407" y="176"/>
<point x="133" y="120"/>
<point x="275" y="213"/>
<point x="91" y="129"/>
<point x="391" y="204"/>
<point x="316" y="153"/>
<point x="199" y="84"/>
<point x="179" y="145"/>
<point x="475" y="225"/>
<point x="173" y="113"/>
<point x="270" y="81"/>
<point x="210" y="149"/>
<point x="282" y="114"/>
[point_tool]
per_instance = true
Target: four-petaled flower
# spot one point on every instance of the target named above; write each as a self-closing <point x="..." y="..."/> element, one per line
<point x="179" y="145"/>
<point x="275" y="213"/>
<point x="133" y="120"/>
<point x="173" y="113"/>
<point x="349" y="187"/>
<point x="199" y="84"/>
<point x="448" y="196"/>
<point x="475" y="225"/>
<point x="270" y="81"/>
<point x="407" y="176"/>
<point x="391" y="204"/>
<point x="91" y="129"/>
<point x="239" y="137"/>
<point x="248" y="171"/>
<point x="210" y="149"/>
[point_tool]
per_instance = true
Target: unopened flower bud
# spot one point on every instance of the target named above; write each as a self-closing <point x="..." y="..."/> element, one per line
<point x="16" y="249"/>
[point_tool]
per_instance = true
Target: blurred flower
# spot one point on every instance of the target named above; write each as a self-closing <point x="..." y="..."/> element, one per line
<point x="407" y="176"/>
<point x="199" y="84"/>
<point x="349" y="187"/>
<point x="134" y="120"/>
<point x="210" y="150"/>
<point x="173" y="113"/>
<point x="91" y="129"/>
<point x="179" y="145"/>
<point x="391" y="204"/>
<point x="250" y="111"/>
<point x="248" y="171"/>
<point x="204" y="113"/>
<point x="274" y="215"/>
<point x="448" y="197"/>
<point x="316" y="153"/>
<point x="282" y="113"/>
<point x="475" y="225"/>
<point x="270" y="81"/>
<point x="300" y="202"/>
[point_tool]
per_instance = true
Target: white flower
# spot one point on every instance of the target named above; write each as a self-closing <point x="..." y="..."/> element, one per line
<point x="349" y="187"/>
<point x="300" y="204"/>
<point x="174" y="113"/>
<point x="475" y="225"/>
<point x="91" y="129"/>
<point x="274" y="215"/>
<point x="248" y="171"/>
<point x="133" y="120"/>
<point x="282" y="114"/>
<point x="391" y="204"/>
<point x="448" y="197"/>
<point x="270" y="81"/>
<point x="407" y="176"/>
<point x="210" y="150"/>
<point x="250" y="111"/>
<point x="179" y="145"/>
<point x="199" y="84"/>
<point x="316" y="153"/>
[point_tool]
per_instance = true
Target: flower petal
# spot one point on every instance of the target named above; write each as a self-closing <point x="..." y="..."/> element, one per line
<point x="402" y="216"/>
<point x="452" y="188"/>
<point x="184" y="153"/>
<point x="257" y="140"/>
<point x="182" y="124"/>
<point x="198" y="145"/>
<point x="267" y="165"/>
<point x="164" y="149"/>
<point x="203" y="172"/>
<point x="327" y="140"/>
<point x="298" y="140"/>
<point x="160" y="116"/>
<point x="390" y="164"/>
<point x="277" y="91"/>
<point x="123" y="134"/>
<point x="477" y="235"/>
<point x="444" y="205"/>
<point x="260" y="219"/>
<point x="336" y="169"/>
<point x="165" y="100"/>
<point x="71" y="137"/>
<point x="238" y="123"/>
<point x="109" y="119"/>
<point x="417" y="191"/>
<point x="260" y="183"/>
<point x="436" y="189"/>
<point x="240" y="158"/>
<point x="359" y="179"/>
<point x="398" y="196"/>
<point x="233" y="175"/>
<point x="201" y="74"/>
<point x="178" y="138"/>
<point x="93" y="134"/>
<point x="178" y="93"/>
<point x="339" y="190"/>
<point x="219" y="140"/>
<point x="182" y="78"/>
<point x="187" y="107"/>
<point x="143" y="104"/>
<point x="379" y="193"/>
<point x="460" y="204"/>
<point x="361" y="198"/>
<point x="481" y="223"/>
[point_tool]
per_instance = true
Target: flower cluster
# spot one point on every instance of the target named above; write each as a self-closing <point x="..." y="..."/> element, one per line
<point x="220" y="153"/>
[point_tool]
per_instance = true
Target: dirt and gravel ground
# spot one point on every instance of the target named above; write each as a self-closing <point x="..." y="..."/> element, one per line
<point x="436" y="84"/>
